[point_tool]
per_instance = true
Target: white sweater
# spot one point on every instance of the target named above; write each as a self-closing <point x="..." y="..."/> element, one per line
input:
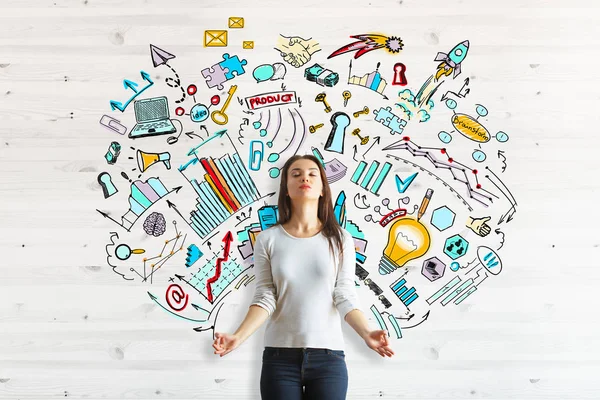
<point x="297" y="285"/>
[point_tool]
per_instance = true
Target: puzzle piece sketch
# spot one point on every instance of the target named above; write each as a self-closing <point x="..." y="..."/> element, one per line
<point x="389" y="119"/>
<point x="215" y="76"/>
<point x="396" y="125"/>
<point x="383" y="115"/>
<point x="231" y="64"/>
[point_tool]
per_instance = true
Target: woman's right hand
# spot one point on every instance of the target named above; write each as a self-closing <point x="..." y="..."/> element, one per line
<point x="225" y="343"/>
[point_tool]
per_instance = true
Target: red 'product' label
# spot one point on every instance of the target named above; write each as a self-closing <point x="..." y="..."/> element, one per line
<point x="270" y="99"/>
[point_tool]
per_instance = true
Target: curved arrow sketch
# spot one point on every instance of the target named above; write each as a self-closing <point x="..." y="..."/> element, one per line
<point x="499" y="232"/>
<point x="364" y="203"/>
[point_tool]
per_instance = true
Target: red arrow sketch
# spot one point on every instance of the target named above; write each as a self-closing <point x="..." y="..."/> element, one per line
<point x="227" y="239"/>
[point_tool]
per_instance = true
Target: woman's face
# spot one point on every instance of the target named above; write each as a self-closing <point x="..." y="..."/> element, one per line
<point x="304" y="180"/>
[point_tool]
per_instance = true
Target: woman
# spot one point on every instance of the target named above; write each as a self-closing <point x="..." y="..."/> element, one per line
<point x="305" y="280"/>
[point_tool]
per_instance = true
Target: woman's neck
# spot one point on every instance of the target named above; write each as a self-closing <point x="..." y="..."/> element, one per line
<point x="304" y="220"/>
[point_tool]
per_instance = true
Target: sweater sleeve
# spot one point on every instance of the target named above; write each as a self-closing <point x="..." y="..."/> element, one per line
<point x="344" y="293"/>
<point x="265" y="294"/>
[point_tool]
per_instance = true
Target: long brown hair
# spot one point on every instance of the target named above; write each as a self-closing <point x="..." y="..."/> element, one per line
<point x="331" y="228"/>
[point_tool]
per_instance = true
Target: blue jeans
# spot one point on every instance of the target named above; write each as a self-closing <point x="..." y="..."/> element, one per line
<point x="286" y="370"/>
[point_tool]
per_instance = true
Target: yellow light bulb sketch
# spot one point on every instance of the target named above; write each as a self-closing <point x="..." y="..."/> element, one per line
<point x="407" y="239"/>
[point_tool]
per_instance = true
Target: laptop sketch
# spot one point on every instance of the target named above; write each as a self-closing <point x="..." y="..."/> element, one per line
<point x="152" y="117"/>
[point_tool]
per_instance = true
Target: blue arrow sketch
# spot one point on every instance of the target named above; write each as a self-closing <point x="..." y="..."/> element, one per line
<point x="131" y="85"/>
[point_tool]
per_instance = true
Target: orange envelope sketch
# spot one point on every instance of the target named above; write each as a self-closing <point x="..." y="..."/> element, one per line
<point x="236" y="22"/>
<point x="215" y="38"/>
<point x="247" y="44"/>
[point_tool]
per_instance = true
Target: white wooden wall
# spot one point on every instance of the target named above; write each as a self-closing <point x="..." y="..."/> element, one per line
<point x="71" y="328"/>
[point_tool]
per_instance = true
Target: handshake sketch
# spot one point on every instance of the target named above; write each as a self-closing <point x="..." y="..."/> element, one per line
<point x="295" y="50"/>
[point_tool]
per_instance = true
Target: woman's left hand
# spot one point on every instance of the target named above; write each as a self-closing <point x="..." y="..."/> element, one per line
<point x="377" y="340"/>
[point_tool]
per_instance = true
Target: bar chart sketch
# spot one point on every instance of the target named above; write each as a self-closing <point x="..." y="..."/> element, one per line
<point x="370" y="174"/>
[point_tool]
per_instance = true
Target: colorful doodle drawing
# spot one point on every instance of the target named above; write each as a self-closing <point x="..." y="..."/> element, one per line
<point x="457" y="169"/>
<point x="199" y="112"/>
<point x="212" y="283"/>
<point x="402" y="185"/>
<point x="473" y="130"/>
<point x="146" y="160"/>
<point x="223" y="71"/>
<point x="215" y="38"/>
<point x="175" y="295"/>
<point x="321" y="98"/>
<point x="406" y="103"/>
<point x="152" y="117"/>
<point x="235" y="22"/>
<point x="346" y="95"/>
<point x="372" y="80"/>
<point x="433" y="269"/>
<point x="363" y="200"/>
<point x="107" y="185"/>
<point x="479" y="225"/>
<point x="155" y="224"/>
<point x="456" y="246"/>
<point x="113" y="124"/>
<point x="117" y="105"/>
<point x="321" y="76"/>
<point x="257" y="125"/>
<point x="227" y="240"/>
<point x="386" y="117"/>
<point x="270" y="99"/>
<point x="451" y="62"/>
<point x="408" y="239"/>
<point x="268" y="215"/>
<point x="370" y="173"/>
<point x="497" y="182"/>
<point x="295" y="50"/>
<point x="451" y="103"/>
<point x="143" y="196"/>
<point x="360" y="244"/>
<point x="335" y="141"/>
<point x="299" y="131"/>
<point x="227" y="187"/>
<point x="113" y="152"/>
<point x="399" y="75"/>
<point x="393" y="320"/>
<point x="219" y="117"/>
<point x="425" y="203"/>
<point x="226" y="182"/>
<point x="121" y="252"/>
<point x="363" y="140"/>
<point x="503" y="158"/>
<point x="334" y="169"/>
<point x="257" y="149"/>
<point x="216" y="135"/>
<point x="442" y="218"/>
<point x="458" y="289"/>
<point x="158" y="261"/>
<point x="266" y="72"/>
<point x="369" y="42"/>
<point x="193" y="255"/>
<point x="404" y="294"/>
<point x="489" y="259"/>
<point x="161" y="57"/>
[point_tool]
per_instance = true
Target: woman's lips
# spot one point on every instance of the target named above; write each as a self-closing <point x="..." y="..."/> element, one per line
<point x="304" y="187"/>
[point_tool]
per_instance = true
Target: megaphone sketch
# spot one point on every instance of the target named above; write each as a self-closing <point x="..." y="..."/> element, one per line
<point x="146" y="160"/>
